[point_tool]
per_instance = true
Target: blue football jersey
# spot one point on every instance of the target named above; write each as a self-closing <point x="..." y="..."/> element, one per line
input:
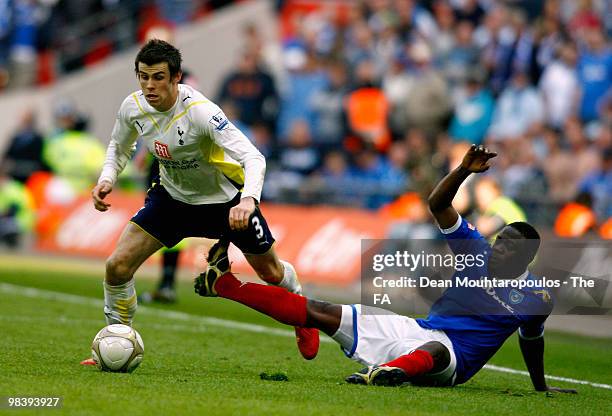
<point x="479" y="320"/>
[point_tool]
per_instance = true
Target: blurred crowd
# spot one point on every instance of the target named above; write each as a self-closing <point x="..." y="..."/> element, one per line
<point x="376" y="99"/>
<point x="369" y="103"/>
<point x="40" y="40"/>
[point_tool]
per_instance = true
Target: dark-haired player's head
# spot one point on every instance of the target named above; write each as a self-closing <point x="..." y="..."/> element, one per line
<point x="515" y="247"/>
<point x="158" y="68"/>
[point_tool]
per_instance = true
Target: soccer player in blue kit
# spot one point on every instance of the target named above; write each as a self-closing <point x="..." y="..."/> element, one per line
<point x="465" y="326"/>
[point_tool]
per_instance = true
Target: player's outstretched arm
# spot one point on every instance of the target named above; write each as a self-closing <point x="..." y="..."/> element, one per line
<point x="533" y="354"/>
<point x="476" y="160"/>
<point x="99" y="193"/>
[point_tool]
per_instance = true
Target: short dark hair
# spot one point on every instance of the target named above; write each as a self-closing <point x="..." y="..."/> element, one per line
<point x="530" y="234"/>
<point x="156" y="51"/>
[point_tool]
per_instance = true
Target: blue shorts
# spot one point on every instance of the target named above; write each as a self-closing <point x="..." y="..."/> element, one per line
<point x="169" y="221"/>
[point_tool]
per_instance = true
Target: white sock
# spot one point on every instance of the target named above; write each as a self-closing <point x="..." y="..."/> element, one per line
<point x="120" y="303"/>
<point x="290" y="279"/>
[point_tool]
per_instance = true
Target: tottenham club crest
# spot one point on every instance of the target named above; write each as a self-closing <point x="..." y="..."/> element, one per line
<point x="180" y="133"/>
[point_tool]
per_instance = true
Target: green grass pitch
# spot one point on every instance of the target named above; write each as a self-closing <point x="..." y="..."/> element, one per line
<point x="204" y="356"/>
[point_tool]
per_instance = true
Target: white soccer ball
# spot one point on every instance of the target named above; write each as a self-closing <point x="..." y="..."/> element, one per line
<point x="117" y="348"/>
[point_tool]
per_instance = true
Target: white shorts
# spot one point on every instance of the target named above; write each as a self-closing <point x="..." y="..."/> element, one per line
<point x="375" y="336"/>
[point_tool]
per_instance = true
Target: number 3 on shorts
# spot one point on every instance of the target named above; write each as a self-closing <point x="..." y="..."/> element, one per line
<point x="258" y="228"/>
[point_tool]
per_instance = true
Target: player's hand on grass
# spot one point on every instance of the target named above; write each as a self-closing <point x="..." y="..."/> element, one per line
<point x="99" y="193"/>
<point x="240" y="214"/>
<point x="477" y="159"/>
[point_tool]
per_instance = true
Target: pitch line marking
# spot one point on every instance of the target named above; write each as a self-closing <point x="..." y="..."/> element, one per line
<point x="31" y="292"/>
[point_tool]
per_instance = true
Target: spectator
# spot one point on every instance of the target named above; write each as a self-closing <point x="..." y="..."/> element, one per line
<point x="6" y="21"/>
<point x="359" y="44"/>
<point x="304" y="80"/>
<point x="370" y="171"/>
<point x="262" y="138"/>
<point x="252" y="91"/>
<point x="73" y="154"/>
<point x="24" y="155"/>
<point x="497" y="43"/>
<point x="599" y="185"/>
<point x="523" y="48"/>
<point x="396" y="180"/>
<point x="585" y="158"/>
<point x="16" y="211"/>
<point x="469" y="10"/>
<point x="396" y="85"/>
<point x="335" y="180"/>
<point x="559" y="86"/>
<point x="548" y="38"/>
<point x="464" y="55"/>
<point x="584" y="19"/>
<point x="594" y="74"/>
<point x="496" y="210"/>
<point x="367" y="109"/>
<point x="328" y="105"/>
<point x="518" y="110"/>
<point x="524" y="180"/>
<point x="427" y="105"/>
<point x="444" y="40"/>
<point x="414" y="21"/>
<point x="473" y="113"/>
<point x="23" y="44"/>
<point x="299" y="157"/>
<point x="558" y="166"/>
<point x="423" y="173"/>
<point x="576" y="218"/>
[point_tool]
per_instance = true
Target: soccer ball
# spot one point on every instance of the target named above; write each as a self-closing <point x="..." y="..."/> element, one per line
<point x="117" y="348"/>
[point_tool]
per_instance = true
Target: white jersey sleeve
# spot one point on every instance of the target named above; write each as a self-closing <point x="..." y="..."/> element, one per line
<point x="122" y="144"/>
<point x="215" y="125"/>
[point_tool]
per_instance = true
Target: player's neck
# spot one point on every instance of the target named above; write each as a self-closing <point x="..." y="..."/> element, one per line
<point x="169" y="103"/>
<point x="522" y="276"/>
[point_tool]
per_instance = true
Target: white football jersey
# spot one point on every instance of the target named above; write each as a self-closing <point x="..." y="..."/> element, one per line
<point x="203" y="158"/>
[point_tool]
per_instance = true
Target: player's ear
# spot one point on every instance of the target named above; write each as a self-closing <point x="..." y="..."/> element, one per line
<point x="177" y="77"/>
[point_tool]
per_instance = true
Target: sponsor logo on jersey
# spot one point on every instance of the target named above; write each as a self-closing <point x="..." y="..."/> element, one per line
<point x="219" y="121"/>
<point x="162" y="150"/>
<point x="544" y="295"/>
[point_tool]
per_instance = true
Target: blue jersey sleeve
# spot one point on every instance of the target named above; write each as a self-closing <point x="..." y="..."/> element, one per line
<point x="464" y="238"/>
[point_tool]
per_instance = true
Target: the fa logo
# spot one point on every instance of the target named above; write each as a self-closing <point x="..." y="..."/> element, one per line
<point x="180" y="133"/>
<point x="161" y="150"/>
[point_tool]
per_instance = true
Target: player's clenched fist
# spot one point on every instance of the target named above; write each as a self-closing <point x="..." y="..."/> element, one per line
<point x="99" y="193"/>
<point x="477" y="159"/>
<point x="240" y="214"/>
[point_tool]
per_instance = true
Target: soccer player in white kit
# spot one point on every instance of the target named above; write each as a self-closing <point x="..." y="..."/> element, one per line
<point x="211" y="178"/>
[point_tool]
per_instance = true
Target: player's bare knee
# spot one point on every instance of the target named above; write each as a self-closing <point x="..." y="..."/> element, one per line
<point x="323" y="315"/>
<point x="439" y="353"/>
<point x="118" y="270"/>
<point x="271" y="272"/>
